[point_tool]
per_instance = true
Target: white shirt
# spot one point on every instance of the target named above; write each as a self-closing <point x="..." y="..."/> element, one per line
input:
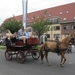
<point x="27" y="34"/>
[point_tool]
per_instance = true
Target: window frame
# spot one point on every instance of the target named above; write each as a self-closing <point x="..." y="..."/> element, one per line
<point x="55" y="28"/>
<point x="56" y="35"/>
<point x="65" y="27"/>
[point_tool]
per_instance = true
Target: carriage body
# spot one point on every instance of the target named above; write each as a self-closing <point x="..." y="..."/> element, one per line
<point x="22" y="50"/>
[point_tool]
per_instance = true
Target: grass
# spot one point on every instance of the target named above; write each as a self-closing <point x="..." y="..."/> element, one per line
<point x="37" y="47"/>
<point x="2" y="47"/>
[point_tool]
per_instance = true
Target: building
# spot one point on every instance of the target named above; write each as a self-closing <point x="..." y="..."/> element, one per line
<point x="62" y="19"/>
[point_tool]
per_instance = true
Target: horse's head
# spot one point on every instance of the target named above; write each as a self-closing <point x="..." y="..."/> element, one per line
<point x="72" y="39"/>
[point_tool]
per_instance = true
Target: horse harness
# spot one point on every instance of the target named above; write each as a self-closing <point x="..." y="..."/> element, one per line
<point x="58" y="49"/>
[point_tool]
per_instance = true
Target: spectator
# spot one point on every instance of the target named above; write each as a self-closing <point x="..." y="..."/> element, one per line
<point x="43" y="39"/>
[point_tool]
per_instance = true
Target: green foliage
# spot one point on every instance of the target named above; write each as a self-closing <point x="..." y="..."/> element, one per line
<point x="40" y="26"/>
<point x="12" y="24"/>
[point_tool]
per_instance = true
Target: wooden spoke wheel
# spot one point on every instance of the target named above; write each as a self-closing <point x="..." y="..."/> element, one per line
<point x="20" y="57"/>
<point x="8" y="55"/>
<point x="35" y="55"/>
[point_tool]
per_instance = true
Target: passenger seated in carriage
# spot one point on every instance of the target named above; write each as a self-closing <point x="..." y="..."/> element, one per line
<point x="27" y="34"/>
<point x="22" y="34"/>
<point x="7" y="40"/>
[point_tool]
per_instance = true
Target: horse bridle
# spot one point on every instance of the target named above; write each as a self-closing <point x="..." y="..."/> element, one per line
<point x="72" y="40"/>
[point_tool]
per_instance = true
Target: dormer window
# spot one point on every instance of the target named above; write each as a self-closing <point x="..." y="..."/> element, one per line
<point x="44" y="15"/>
<point x="67" y="12"/>
<point x="32" y="17"/>
<point x="60" y="12"/>
<point x="37" y="16"/>
<point x="74" y="17"/>
<point x="50" y="14"/>
<point x="64" y="19"/>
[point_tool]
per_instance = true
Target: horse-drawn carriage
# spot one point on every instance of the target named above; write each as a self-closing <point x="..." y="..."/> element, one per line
<point x="22" y="50"/>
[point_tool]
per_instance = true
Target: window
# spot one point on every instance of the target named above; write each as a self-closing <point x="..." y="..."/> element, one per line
<point x="67" y="12"/>
<point x="64" y="18"/>
<point x="56" y="21"/>
<point x="74" y="17"/>
<point x="48" y="35"/>
<point x="50" y="14"/>
<point x="65" y="27"/>
<point x="44" y="15"/>
<point x="32" y="17"/>
<point x="56" y="27"/>
<point x="56" y="35"/>
<point x="49" y="20"/>
<point x="66" y="35"/>
<point x="37" y="16"/>
<point x="60" y="12"/>
<point x="73" y="26"/>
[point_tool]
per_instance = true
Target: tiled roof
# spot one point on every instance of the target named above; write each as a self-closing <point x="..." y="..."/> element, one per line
<point x="65" y="12"/>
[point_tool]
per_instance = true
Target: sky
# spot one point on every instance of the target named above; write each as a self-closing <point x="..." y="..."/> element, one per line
<point x="9" y="8"/>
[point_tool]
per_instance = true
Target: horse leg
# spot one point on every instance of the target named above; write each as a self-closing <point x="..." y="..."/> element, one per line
<point x="42" y="56"/>
<point x="46" y="56"/>
<point x="64" y="58"/>
<point x="62" y="61"/>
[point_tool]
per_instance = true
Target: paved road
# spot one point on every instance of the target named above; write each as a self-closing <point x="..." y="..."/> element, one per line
<point x="34" y="67"/>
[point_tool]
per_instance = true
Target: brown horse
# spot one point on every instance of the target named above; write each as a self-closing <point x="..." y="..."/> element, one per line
<point x="59" y="48"/>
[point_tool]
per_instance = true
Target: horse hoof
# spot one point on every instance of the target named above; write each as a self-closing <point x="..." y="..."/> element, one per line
<point x="49" y="64"/>
<point x="62" y="65"/>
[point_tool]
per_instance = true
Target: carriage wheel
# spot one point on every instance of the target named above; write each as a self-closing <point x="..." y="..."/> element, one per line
<point x="8" y="55"/>
<point x="20" y="57"/>
<point x="35" y="55"/>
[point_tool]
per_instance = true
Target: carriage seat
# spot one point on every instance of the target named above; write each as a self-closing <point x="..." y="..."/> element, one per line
<point x="29" y="41"/>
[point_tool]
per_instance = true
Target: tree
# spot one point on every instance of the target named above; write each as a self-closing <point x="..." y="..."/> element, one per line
<point x="12" y="24"/>
<point x="40" y="26"/>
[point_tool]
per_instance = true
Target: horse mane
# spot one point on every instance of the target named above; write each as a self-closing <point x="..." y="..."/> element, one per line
<point x="66" y="39"/>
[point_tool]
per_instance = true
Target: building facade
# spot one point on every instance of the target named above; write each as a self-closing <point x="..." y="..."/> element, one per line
<point x="62" y="19"/>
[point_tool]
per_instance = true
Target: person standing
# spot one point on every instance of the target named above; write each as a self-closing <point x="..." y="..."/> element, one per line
<point x="43" y="39"/>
